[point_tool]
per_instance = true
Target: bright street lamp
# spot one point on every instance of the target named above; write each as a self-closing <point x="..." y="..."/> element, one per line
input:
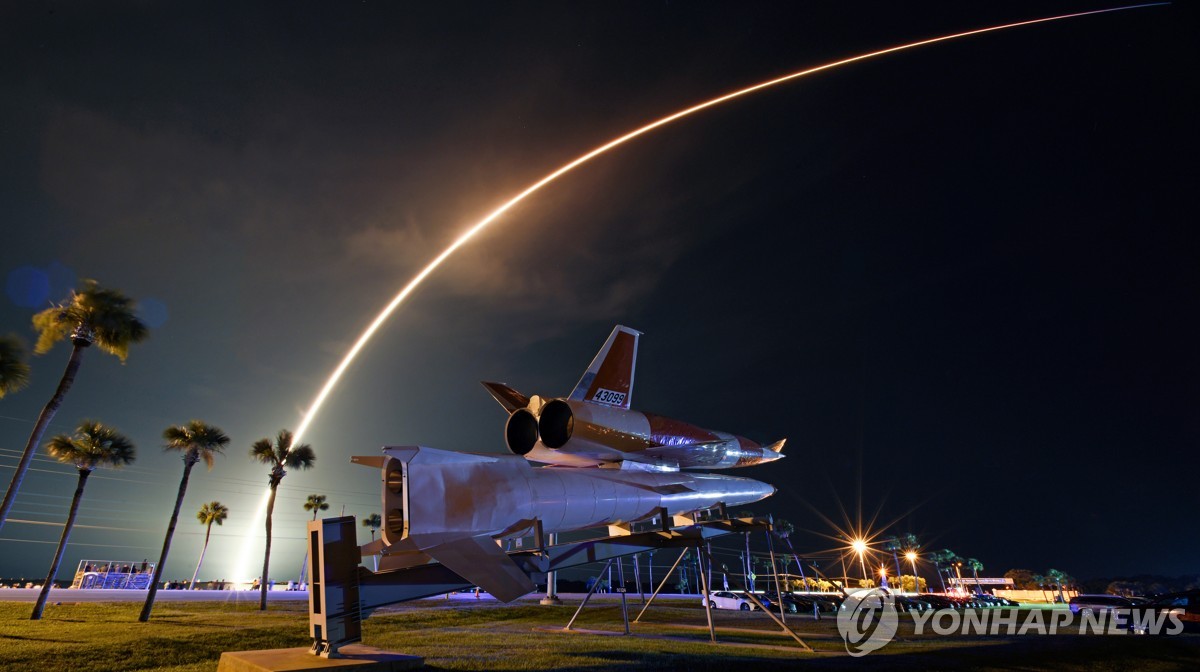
<point x="911" y="556"/>
<point x="860" y="546"/>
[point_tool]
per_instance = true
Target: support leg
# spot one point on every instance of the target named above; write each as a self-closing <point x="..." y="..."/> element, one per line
<point x="588" y="596"/>
<point x="712" y="634"/>
<point x="624" y="604"/>
<point x="637" y="577"/>
<point x="660" y="586"/>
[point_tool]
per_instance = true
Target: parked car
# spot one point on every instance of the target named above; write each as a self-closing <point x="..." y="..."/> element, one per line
<point x="825" y="603"/>
<point x="1184" y="605"/>
<point x="940" y="601"/>
<point x="790" y="605"/>
<point x="906" y="603"/>
<point x="1099" y="603"/>
<point x="726" y="600"/>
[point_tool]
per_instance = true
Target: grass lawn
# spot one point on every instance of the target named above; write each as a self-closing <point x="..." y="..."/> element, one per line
<point x="487" y="636"/>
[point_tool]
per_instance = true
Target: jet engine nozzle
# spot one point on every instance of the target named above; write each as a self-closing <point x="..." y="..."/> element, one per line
<point x="556" y="423"/>
<point x="521" y="431"/>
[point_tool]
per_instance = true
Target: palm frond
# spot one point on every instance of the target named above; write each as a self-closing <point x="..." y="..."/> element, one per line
<point x="52" y="325"/>
<point x="14" y="371"/>
<point x="93" y="445"/>
<point x="214" y="512"/>
<point x="206" y="440"/>
<point x="263" y="451"/>
<point x="300" y="457"/>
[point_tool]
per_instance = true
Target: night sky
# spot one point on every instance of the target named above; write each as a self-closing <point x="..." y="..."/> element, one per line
<point x="961" y="281"/>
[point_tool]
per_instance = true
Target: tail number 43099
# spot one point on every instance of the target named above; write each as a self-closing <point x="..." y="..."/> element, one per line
<point x="604" y="396"/>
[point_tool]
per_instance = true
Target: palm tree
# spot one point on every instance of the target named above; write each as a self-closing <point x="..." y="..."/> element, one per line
<point x="894" y="545"/>
<point x="93" y="315"/>
<point x="748" y="580"/>
<point x="784" y="530"/>
<point x="956" y="561"/>
<point x="14" y="371"/>
<point x="1041" y="583"/>
<point x="374" y="522"/>
<point x="212" y="512"/>
<point x="1058" y="578"/>
<point x="976" y="567"/>
<point x="280" y="456"/>
<point x="93" y="445"/>
<point x="197" y="441"/>
<point x="939" y="560"/>
<point x="314" y="503"/>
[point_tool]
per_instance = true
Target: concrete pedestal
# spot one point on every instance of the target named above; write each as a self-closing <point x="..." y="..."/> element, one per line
<point x="355" y="658"/>
<point x="550" y="600"/>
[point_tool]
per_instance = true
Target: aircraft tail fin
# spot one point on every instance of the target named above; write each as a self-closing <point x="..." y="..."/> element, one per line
<point x="609" y="379"/>
<point x="777" y="446"/>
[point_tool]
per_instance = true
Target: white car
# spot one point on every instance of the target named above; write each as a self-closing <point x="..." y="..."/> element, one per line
<point x="727" y="600"/>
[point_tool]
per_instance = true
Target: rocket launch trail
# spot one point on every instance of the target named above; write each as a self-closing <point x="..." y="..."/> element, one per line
<point x="612" y="144"/>
<point x="470" y="233"/>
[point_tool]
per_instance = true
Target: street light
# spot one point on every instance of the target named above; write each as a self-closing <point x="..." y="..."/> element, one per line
<point x="860" y="546"/>
<point x="911" y="556"/>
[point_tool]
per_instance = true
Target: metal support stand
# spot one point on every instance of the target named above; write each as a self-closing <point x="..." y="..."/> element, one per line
<point x="754" y="598"/>
<point x="624" y="605"/>
<point x="637" y="577"/>
<point x="551" y="598"/>
<point x="712" y="633"/>
<point x="775" y="570"/>
<point x="660" y="586"/>
<point x="587" y="597"/>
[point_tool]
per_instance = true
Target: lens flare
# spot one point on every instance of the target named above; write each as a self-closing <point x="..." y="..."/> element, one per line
<point x="470" y="233"/>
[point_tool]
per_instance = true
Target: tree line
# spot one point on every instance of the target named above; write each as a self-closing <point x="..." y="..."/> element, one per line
<point x="107" y="319"/>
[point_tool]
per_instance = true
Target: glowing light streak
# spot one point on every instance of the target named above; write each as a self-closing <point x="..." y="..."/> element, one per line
<point x="382" y="317"/>
<point x="482" y="224"/>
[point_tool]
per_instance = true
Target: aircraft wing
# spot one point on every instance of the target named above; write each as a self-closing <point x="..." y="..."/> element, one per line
<point x="509" y="398"/>
<point x="482" y="562"/>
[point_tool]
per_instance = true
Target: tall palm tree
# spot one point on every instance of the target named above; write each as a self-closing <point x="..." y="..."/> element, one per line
<point x="954" y="561"/>
<point x="96" y="315"/>
<point x="1058" y="578"/>
<point x="1040" y="580"/>
<point x="894" y="545"/>
<point x="280" y="456"/>
<point x="14" y="371"/>
<point x="315" y="503"/>
<point x="93" y="445"/>
<point x="197" y="441"/>
<point x="212" y="512"/>
<point x="748" y="580"/>
<point x="939" y="560"/>
<point x="976" y="567"/>
<point x="374" y="522"/>
<point x="784" y="530"/>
